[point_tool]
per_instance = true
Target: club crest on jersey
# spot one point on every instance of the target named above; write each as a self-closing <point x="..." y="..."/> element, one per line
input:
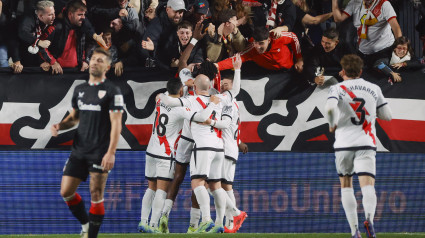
<point x="101" y="93"/>
<point x="80" y="94"/>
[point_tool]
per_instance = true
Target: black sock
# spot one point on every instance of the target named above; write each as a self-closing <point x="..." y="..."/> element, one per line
<point x="95" y="223"/>
<point x="76" y="205"/>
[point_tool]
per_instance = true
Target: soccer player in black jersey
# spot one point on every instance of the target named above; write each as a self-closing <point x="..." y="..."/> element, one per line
<point x="97" y="108"/>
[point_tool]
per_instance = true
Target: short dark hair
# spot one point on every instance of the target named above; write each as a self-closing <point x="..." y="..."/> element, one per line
<point x="227" y="74"/>
<point x="353" y="65"/>
<point x="208" y="69"/>
<point x="225" y="15"/>
<point x="331" y="33"/>
<point x="74" y="5"/>
<point x="173" y="86"/>
<point x="100" y="50"/>
<point x="185" y="24"/>
<point x="260" y="33"/>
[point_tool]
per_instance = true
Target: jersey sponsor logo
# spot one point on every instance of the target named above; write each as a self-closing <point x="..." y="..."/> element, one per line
<point x="101" y="93"/>
<point x="227" y="110"/>
<point x="118" y="101"/>
<point x="88" y="107"/>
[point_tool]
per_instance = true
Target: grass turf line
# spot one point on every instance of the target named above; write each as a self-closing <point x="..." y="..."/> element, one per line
<point x="239" y="235"/>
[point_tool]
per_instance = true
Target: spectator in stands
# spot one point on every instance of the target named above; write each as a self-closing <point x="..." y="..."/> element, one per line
<point x="401" y="58"/>
<point x="31" y="29"/>
<point x="10" y="42"/>
<point x="3" y="40"/>
<point x="116" y="63"/>
<point x="326" y="56"/>
<point x="228" y="40"/>
<point x="243" y="14"/>
<point x="302" y="20"/>
<point x="270" y="53"/>
<point x="199" y="11"/>
<point x="120" y="9"/>
<point x="274" y="13"/>
<point x="69" y="37"/>
<point x="161" y="31"/>
<point x="184" y="34"/>
<point x="374" y="20"/>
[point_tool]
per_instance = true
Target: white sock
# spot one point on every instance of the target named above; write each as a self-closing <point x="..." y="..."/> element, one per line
<point x="195" y="216"/>
<point x="350" y="207"/>
<point x="168" y="205"/>
<point x="220" y="205"/>
<point x="369" y="202"/>
<point x="229" y="216"/>
<point x="203" y="199"/>
<point x="157" y="205"/>
<point x="85" y="227"/>
<point x="231" y="206"/>
<point x="147" y="205"/>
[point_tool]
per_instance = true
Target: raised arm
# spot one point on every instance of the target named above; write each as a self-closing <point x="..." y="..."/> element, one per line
<point x="310" y="20"/>
<point x="237" y="64"/>
<point x="339" y="16"/>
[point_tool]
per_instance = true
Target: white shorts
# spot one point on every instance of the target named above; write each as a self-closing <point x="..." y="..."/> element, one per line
<point x="360" y="162"/>
<point x="228" y="170"/>
<point x="159" y="168"/>
<point x="184" y="150"/>
<point x="206" y="164"/>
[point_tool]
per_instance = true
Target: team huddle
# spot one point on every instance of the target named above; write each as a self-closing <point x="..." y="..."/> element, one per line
<point x="201" y="129"/>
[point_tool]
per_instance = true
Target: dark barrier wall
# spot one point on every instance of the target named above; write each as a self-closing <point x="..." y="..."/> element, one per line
<point x="281" y="192"/>
<point x="279" y="112"/>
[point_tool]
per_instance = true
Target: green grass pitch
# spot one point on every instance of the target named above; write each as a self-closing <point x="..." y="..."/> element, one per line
<point x="240" y="235"/>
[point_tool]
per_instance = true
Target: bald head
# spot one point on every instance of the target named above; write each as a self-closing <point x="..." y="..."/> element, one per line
<point x="202" y="83"/>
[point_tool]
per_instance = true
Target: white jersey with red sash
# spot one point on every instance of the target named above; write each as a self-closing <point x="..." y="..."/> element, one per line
<point x="374" y="32"/>
<point x="358" y="101"/>
<point x="166" y="130"/>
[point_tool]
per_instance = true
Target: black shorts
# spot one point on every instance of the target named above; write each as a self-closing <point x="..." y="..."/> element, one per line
<point x="80" y="167"/>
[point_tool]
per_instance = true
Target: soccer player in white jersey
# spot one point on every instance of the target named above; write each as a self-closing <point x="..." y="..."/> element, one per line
<point x="160" y="153"/>
<point x="351" y="111"/>
<point x="232" y="145"/>
<point x="184" y="151"/>
<point x="208" y="156"/>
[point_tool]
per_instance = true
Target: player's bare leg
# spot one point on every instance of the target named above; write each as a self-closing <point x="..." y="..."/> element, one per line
<point x="367" y="184"/>
<point x="97" y="208"/>
<point x="350" y="204"/>
<point x="74" y="201"/>
<point x="147" y="205"/>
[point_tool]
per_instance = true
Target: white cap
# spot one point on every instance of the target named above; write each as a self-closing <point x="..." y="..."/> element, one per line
<point x="176" y="5"/>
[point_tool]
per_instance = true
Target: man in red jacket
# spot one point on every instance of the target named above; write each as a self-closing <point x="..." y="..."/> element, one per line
<point x="270" y="53"/>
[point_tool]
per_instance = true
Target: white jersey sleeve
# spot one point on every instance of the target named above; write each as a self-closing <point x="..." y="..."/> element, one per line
<point x="349" y="9"/>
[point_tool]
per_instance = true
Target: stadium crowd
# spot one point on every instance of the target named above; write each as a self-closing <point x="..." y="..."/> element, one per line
<point x="305" y="35"/>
